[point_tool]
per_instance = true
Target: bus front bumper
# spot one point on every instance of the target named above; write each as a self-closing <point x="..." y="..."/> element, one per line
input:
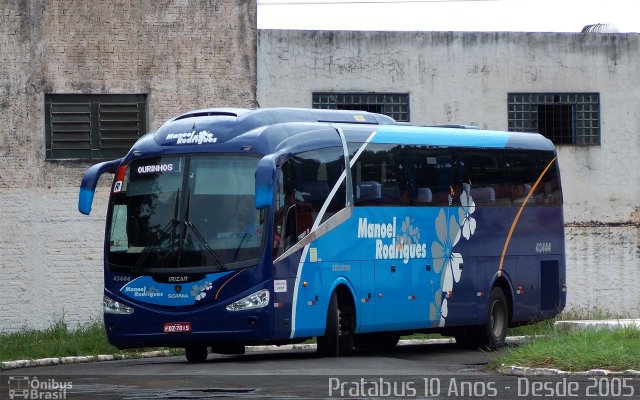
<point x="212" y="325"/>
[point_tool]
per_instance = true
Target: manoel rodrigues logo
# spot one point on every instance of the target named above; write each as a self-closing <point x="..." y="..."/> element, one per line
<point x="193" y="137"/>
<point x="390" y="245"/>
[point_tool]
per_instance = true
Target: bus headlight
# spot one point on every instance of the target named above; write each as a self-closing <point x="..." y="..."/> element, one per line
<point x="110" y="306"/>
<point x="258" y="299"/>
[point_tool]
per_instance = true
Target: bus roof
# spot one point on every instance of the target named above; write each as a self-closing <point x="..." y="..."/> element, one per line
<point x="271" y="130"/>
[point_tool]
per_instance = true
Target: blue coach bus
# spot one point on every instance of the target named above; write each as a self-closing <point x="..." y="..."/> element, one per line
<point x="235" y="227"/>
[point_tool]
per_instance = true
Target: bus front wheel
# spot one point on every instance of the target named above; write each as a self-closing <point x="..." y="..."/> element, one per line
<point x="338" y="336"/>
<point x="196" y="354"/>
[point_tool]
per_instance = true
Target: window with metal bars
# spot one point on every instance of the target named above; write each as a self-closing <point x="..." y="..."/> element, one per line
<point x="564" y="118"/>
<point x="394" y="105"/>
<point x="93" y="126"/>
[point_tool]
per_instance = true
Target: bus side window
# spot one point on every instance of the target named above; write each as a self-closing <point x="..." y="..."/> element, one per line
<point x="304" y="184"/>
<point x="379" y="176"/>
<point x="522" y="176"/>
<point x="550" y="191"/>
<point x="484" y="176"/>
<point x="289" y="200"/>
<point x="290" y="230"/>
<point x="284" y="202"/>
<point x="366" y="175"/>
<point x="317" y="174"/>
<point x="431" y="176"/>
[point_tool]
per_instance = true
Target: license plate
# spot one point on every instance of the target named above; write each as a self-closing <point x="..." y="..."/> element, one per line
<point x="176" y="327"/>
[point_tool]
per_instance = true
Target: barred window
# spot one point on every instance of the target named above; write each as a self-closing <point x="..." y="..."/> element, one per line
<point x="564" y="118"/>
<point x="394" y="105"/>
<point x="93" y="126"/>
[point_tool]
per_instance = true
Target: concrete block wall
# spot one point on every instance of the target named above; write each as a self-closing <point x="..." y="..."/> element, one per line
<point x="184" y="55"/>
<point x="603" y="264"/>
<point x="464" y="77"/>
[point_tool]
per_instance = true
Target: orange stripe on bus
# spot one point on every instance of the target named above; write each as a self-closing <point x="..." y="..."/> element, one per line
<point x="515" y="220"/>
<point x="228" y="280"/>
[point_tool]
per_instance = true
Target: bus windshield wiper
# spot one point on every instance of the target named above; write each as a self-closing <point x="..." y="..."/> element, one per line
<point x="150" y="249"/>
<point x="210" y="251"/>
<point x="169" y="227"/>
<point x="244" y="236"/>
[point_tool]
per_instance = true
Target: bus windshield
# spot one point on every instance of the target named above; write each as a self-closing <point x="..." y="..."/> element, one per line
<point x="176" y="212"/>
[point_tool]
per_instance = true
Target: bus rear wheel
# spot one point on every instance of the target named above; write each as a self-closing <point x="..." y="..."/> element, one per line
<point x="338" y="336"/>
<point x="492" y="335"/>
<point x="196" y="354"/>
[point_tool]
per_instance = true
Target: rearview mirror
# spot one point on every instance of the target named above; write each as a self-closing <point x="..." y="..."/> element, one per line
<point x="265" y="176"/>
<point x="89" y="182"/>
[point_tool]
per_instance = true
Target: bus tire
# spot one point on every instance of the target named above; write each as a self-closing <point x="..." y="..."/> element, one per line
<point x="196" y="354"/>
<point x="492" y="335"/>
<point x="338" y="336"/>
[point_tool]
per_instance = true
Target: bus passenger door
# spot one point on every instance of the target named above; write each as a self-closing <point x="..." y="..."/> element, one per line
<point x="364" y="292"/>
<point x="392" y="295"/>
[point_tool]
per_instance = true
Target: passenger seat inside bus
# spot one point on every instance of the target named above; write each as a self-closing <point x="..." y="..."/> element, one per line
<point x="483" y="195"/>
<point x="424" y="195"/>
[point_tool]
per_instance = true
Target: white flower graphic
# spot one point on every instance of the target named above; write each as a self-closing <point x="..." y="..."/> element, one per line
<point x="200" y="291"/>
<point x="435" y="309"/>
<point x="442" y="250"/>
<point x="449" y="229"/>
<point x="444" y="310"/>
<point x="468" y="224"/>
<point x="409" y="235"/>
<point x="452" y="272"/>
<point x="405" y="237"/>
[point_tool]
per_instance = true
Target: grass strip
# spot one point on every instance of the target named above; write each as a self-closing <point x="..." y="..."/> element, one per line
<point x="546" y="327"/>
<point x="615" y="349"/>
<point x="58" y="341"/>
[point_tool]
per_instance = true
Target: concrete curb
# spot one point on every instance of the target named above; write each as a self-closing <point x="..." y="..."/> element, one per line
<point x="597" y="324"/>
<point x="506" y="370"/>
<point x="43" y="362"/>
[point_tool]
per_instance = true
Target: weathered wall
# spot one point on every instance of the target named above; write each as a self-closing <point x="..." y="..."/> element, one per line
<point x="464" y="78"/>
<point x="184" y="54"/>
<point x="603" y="269"/>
